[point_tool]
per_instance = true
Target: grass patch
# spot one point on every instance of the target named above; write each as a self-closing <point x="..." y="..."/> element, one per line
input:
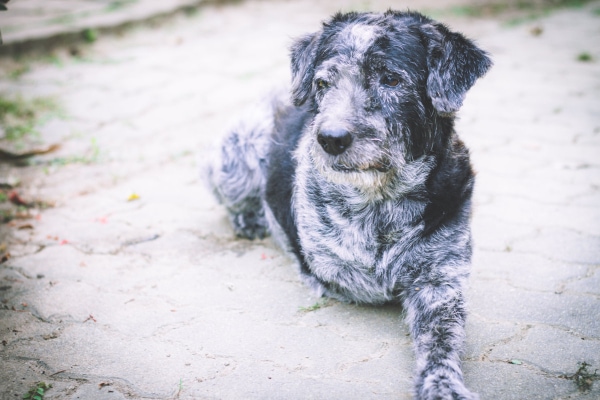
<point x="317" y="306"/>
<point x="37" y="392"/>
<point x="90" y="35"/>
<point x="17" y="72"/>
<point x="585" y="57"/>
<point x="53" y="59"/>
<point x="19" y="118"/>
<point x="582" y="377"/>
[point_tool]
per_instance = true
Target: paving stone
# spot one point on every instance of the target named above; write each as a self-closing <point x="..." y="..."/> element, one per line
<point x="502" y="380"/>
<point x="500" y="302"/>
<point x="570" y="350"/>
<point x="531" y="272"/>
<point x="562" y="244"/>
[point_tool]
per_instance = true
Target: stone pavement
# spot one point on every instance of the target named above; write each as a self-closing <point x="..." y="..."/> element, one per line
<point x="44" y="24"/>
<point x="124" y="280"/>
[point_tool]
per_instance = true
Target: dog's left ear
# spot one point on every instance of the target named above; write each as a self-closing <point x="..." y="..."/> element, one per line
<point x="454" y="64"/>
<point x="303" y="55"/>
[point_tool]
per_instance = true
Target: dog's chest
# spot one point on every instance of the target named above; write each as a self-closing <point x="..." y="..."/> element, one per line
<point x="357" y="247"/>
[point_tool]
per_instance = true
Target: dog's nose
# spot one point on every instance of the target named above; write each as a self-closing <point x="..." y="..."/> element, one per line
<point x="334" y="141"/>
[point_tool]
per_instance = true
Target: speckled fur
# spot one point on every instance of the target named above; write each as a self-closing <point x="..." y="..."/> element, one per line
<point x="386" y="219"/>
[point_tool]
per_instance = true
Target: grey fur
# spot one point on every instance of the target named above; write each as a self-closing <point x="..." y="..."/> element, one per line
<point x="363" y="178"/>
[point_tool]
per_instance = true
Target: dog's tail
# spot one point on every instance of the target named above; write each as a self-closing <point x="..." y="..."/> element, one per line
<point x="237" y="172"/>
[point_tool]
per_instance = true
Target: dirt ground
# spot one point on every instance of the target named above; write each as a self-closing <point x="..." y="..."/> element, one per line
<point x="121" y="278"/>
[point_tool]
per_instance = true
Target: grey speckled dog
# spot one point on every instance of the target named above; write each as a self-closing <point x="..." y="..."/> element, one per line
<point x="362" y="176"/>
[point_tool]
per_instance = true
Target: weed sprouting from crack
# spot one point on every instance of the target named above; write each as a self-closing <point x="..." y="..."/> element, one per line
<point x="318" y="305"/>
<point x="37" y="392"/>
<point x="179" y="388"/>
<point x="582" y="377"/>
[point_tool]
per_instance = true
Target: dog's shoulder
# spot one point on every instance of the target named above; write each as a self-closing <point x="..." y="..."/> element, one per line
<point x="289" y="124"/>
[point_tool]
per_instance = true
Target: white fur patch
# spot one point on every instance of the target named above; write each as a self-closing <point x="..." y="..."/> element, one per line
<point x="361" y="37"/>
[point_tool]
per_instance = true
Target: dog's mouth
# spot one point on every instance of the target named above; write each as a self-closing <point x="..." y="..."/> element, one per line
<point x="380" y="166"/>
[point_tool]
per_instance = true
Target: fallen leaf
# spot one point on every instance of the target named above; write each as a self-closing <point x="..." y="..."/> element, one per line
<point x="133" y="196"/>
<point x="14" y="198"/>
<point x="536" y="30"/>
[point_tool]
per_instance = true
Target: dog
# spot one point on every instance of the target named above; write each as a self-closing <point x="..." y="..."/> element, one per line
<point x="360" y="174"/>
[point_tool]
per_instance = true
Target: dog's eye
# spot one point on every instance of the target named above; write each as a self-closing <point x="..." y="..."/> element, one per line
<point x="322" y="84"/>
<point x="390" y="80"/>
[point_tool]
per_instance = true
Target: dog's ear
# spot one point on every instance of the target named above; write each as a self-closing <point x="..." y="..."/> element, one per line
<point x="454" y="64"/>
<point x="303" y="55"/>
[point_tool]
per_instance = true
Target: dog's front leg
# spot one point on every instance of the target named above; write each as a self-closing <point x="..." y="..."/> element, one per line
<point x="436" y="315"/>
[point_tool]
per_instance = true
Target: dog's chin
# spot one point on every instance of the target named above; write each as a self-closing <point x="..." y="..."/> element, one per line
<point x="377" y="166"/>
<point x="369" y="178"/>
<point x="367" y="175"/>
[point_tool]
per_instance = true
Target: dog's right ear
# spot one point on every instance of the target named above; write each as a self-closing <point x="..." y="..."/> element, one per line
<point x="303" y="55"/>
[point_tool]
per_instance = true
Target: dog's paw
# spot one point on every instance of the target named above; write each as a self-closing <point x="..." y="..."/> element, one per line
<point x="250" y="225"/>
<point x="444" y="388"/>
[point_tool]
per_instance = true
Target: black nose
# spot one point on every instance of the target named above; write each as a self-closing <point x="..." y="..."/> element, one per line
<point x="334" y="141"/>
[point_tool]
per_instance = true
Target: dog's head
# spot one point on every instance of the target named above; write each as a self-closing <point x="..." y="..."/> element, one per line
<point x="380" y="85"/>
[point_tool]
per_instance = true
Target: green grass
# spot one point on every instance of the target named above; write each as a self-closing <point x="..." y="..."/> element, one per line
<point x="17" y="72"/>
<point x="318" y="305"/>
<point x="19" y="118"/>
<point x="90" y="35"/>
<point x="585" y="57"/>
<point x="37" y="392"/>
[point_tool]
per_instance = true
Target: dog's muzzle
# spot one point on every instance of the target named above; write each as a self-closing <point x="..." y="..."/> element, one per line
<point x="334" y="141"/>
<point x="380" y="166"/>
